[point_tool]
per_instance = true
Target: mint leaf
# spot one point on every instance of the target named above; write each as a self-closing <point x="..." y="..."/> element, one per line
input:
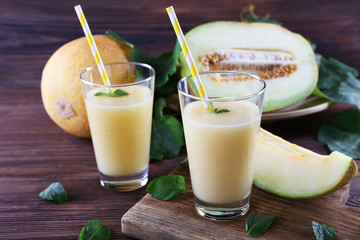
<point x="54" y="192"/>
<point x="184" y="164"/>
<point x="216" y="110"/>
<point x="95" y="231"/>
<point x="166" y="187"/>
<point x="119" y="93"/>
<point x="101" y="94"/>
<point x="116" y="93"/>
<point x="324" y="231"/>
<point x="343" y="133"/>
<point x="167" y="135"/>
<point x="339" y="82"/>
<point x="256" y="224"/>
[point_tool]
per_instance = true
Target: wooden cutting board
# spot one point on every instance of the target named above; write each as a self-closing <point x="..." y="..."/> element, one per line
<point x="154" y="219"/>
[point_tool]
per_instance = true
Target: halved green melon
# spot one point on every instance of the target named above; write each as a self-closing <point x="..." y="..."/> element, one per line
<point x="292" y="171"/>
<point x="285" y="60"/>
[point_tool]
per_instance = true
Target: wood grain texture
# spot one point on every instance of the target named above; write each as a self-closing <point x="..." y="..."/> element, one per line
<point x="34" y="152"/>
<point x="154" y="219"/>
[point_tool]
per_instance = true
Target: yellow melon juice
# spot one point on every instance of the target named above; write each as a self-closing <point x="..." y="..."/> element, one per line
<point x="120" y="126"/>
<point x="121" y="130"/>
<point x="221" y="148"/>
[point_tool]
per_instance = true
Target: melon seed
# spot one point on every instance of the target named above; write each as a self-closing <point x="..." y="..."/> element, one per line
<point x="266" y="64"/>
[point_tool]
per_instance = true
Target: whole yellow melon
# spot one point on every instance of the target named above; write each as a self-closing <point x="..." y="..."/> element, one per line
<point x="60" y="83"/>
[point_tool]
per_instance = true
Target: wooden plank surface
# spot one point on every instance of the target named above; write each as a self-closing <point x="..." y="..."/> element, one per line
<point x="154" y="219"/>
<point x="34" y="152"/>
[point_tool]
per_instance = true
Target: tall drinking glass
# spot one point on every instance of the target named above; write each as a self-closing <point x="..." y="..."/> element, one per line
<point x="221" y="145"/>
<point x="120" y="118"/>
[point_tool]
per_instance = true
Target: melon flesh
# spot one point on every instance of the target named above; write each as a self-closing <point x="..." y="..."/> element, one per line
<point x="292" y="171"/>
<point x="285" y="60"/>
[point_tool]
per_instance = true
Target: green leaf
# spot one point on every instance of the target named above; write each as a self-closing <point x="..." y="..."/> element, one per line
<point x="170" y="87"/>
<point x="116" y="93"/>
<point x="166" y="187"/>
<point x="217" y="111"/>
<point x="102" y="94"/>
<point x="54" y="192"/>
<point x="324" y="231"/>
<point x="318" y="58"/>
<point x="256" y="224"/>
<point x="167" y="135"/>
<point x="253" y="18"/>
<point x="184" y="164"/>
<point x="339" y="82"/>
<point x="119" y="93"/>
<point x="164" y="65"/>
<point x="343" y="133"/>
<point x="93" y="230"/>
<point x="118" y="38"/>
<point x="319" y="93"/>
<point x="313" y="45"/>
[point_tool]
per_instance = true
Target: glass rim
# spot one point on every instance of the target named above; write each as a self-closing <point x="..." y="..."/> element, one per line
<point x="223" y="99"/>
<point x="88" y="69"/>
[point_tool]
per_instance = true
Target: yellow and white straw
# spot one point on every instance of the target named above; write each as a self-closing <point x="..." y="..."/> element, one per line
<point x="92" y="44"/>
<point x="185" y="49"/>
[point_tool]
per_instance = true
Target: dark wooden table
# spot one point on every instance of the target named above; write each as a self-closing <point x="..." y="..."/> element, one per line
<point x="34" y="152"/>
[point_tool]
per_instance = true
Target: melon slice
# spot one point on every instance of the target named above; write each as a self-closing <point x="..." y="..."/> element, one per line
<point x="292" y="171"/>
<point x="285" y="60"/>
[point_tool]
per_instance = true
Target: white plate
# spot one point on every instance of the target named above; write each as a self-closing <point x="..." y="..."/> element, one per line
<point x="312" y="104"/>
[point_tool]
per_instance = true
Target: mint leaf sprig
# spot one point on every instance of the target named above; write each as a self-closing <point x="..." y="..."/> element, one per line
<point x="166" y="187"/>
<point x="116" y="93"/>
<point x="217" y="110"/>
<point x="323" y="231"/>
<point x="257" y="224"/>
<point x="94" y="230"/>
<point x="54" y="192"/>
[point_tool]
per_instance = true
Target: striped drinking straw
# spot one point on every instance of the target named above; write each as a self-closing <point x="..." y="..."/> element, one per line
<point x="92" y="44"/>
<point x="185" y="49"/>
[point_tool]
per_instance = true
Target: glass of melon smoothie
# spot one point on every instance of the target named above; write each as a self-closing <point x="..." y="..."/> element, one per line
<point x="120" y="118"/>
<point x="221" y="146"/>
